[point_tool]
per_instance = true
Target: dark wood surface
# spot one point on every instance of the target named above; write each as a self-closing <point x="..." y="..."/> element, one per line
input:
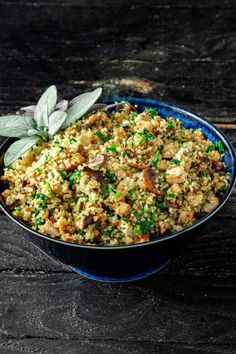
<point x="180" y="51"/>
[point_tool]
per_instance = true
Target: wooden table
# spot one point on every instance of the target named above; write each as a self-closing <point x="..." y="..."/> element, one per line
<point x="179" y="51"/>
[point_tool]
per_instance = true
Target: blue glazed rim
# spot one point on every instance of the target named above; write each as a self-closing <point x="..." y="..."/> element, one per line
<point x="165" y="109"/>
<point x="122" y="279"/>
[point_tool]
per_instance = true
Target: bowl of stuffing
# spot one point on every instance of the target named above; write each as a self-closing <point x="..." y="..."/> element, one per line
<point x="112" y="187"/>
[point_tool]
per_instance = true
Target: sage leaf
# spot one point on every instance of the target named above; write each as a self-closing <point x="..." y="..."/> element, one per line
<point x="32" y="132"/>
<point x="18" y="148"/>
<point x="16" y="126"/>
<point x="83" y="103"/>
<point x="45" y="106"/>
<point x="62" y="105"/>
<point x="96" y="107"/>
<point x="114" y="105"/>
<point x="28" y="109"/>
<point x="56" y="120"/>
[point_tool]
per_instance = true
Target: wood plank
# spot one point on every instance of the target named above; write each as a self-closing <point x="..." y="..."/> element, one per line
<point x="171" y="309"/>
<point x="144" y="32"/>
<point x="118" y="3"/>
<point x="203" y="97"/>
<point x="58" y="346"/>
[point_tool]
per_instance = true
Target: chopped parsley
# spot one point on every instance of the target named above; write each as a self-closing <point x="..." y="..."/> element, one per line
<point x="170" y="195"/>
<point x="220" y="147"/>
<point x="146" y="224"/>
<point x="107" y="233"/>
<point x="72" y="140"/>
<point x="133" y="115"/>
<point x="38" y="223"/>
<point x="112" y="148"/>
<point x="206" y="201"/>
<point x="101" y="136"/>
<point x="111" y="176"/>
<point x="107" y="189"/>
<point x="170" y="124"/>
<point x="146" y="135"/>
<point x="40" y="196"/>
<point x="74" y="176"/>
<point x="131" y="192"/>
<point x="64" y="174"/>
<point x="160" y="205"/>
<point x="47" y="158"/>
<point x="156" y="158"/>
<point x="38" y="170"/>
<point x="80" y="232"/>
<point x="117" y="194"/>
<point x="152" y="111"/>
<point x="176" y="162"/>
<point x="211" y="148"/>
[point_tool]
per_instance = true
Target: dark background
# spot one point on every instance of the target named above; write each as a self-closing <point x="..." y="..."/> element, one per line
<point x="179" y="51"/>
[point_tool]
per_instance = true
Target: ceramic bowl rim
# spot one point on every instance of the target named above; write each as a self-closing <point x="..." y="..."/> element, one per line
<point x="199" y="222"/>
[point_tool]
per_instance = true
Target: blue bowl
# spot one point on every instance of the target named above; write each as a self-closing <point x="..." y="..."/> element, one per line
<point x="132" y="262"/>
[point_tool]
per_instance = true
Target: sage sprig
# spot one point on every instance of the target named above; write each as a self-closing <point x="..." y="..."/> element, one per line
<point x="43" y="120"/>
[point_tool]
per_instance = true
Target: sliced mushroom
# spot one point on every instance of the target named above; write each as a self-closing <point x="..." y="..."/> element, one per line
<point x="131" y="155"/>
<point x="52" y="219"/>
<point x="149" y="181"/>
<point x="144" y="237"/>
<point x="96" y="175"/>
<point x="171" y="205"/>
<point x="13" y="204"/>
<point x="71" y="168"/>
<point x="88" y="220"/>
<point x="24" y="183"/>
<point x="135" y="165"/>
<point x="98" y="160"/>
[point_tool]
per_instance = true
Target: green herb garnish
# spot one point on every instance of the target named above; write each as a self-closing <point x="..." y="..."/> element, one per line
<point x="108" y="232"/>
<point x="220" y="147"/>
<point x="160" y="205"/>
<point x="72" y="140"/>
<point x="64" y="174"/>
<point x="176" y="162"/>
<point x="211" y="148"/>
<point x="133" y="115"/>
<point x="206" y="201"/>
<point x="112" y="148"/>
<point x="153" y="111"/>
<point x="111" y="176"/>
<point x="170" y="124"/>
<point x="170" y="195"/>
<point x="74" y="176"/>
<point x="101" y="136"/>
<point x="146" y="135"/>
<point x="107" y="189"/>
<point x="156" y="158"/>
<point x="117" y="194"/>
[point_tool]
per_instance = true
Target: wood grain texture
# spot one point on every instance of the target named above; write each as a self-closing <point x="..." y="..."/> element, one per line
<point x="186" y="52"/>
